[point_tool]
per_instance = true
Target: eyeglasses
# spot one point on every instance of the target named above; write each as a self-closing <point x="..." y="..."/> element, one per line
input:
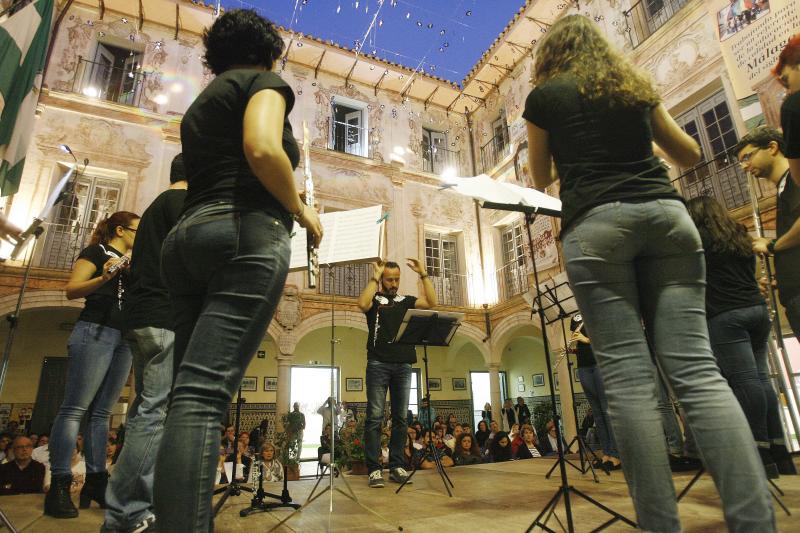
<point x="130" y="228"/>
<point x="745" y="159"/>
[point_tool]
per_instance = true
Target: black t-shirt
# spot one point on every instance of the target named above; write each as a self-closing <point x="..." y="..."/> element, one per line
<point x="16" y="481"/>
<point x="602" y="154"/>
<point x="730" y="282"/>
<point x="383" y="321"/>
<point x="213" y="149"/>
<point x="147" y="302"/>
<point x="585" y="355"/>
<point x="787" y="262"/>
<point x="790" y="124"/>
<point x="103" y="305"/>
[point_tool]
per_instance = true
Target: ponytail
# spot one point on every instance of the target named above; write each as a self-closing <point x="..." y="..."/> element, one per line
<point x="106" y="228"/>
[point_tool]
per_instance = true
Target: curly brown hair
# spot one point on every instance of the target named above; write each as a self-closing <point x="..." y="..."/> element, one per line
<point x="575" y="46"/>
<point x="719" y="232"/>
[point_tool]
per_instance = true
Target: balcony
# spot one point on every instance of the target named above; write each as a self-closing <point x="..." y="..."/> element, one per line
<point x="113" y="84"/>
<point x="721" y="178"/>
<point x="495" y="150"/>
<point x="646" y="16"/>
<point x="512" y="280"/>
<point x="436" y="159"/>
<point x="450" y="290"/>
<point x="347" y="138"/>
<point x="344" y="280"/>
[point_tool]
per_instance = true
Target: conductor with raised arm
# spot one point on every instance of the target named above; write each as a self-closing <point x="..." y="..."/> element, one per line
<point x="388" y="364"/>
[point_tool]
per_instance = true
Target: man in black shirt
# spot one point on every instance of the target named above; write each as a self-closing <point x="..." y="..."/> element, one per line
<point x="23" y="475"/>
<point x="788" y="72"/>
<point x="388" y="364"/>
<point x="761" y="152"/>
<point x="147" y="320"/>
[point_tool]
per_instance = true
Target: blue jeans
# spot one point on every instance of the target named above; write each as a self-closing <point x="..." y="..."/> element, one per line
<point x="129" y="496"/>
<point x="739" y="341"/>
<point x="630" y="263"/>
<point x="396" y="378"/>
<point x="592" y="383"/>
<point x="225" y="269"/>
<point x="669" y="419"/>
<point x="99" y="366"/>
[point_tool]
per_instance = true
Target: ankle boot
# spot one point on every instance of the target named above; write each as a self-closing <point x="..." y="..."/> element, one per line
<point x="783" y="459"/>
<point x="770" y="467"/>
<point x="94" y="489"/>
<point x="57" y="501"/>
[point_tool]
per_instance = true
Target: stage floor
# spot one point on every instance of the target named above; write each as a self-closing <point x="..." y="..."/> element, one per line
<point x="486" y="498"/>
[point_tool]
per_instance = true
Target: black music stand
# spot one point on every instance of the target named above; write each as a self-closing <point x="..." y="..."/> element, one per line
<point x="428" y="328"/>
<point x="565" y="489"/>
<point x="234" y="486"/>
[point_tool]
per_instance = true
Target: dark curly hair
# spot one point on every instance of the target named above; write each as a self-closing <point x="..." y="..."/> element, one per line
<point x="241" y="37"/>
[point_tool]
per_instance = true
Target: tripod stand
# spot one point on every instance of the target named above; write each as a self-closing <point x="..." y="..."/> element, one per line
<point x="257" y="504"/>
<point x="234" y="487"/>
<point x="428" y="328"/>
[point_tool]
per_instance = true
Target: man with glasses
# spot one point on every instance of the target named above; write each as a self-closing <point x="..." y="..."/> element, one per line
<point x="23" y="475"/>
<point x="761" y="153"/>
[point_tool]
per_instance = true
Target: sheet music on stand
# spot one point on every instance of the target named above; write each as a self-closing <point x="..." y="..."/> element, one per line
<point x="493" y="194"/>
<point x="355" y="236"/>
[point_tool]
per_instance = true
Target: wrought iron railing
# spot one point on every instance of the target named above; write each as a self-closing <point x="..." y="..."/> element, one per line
<point x="451" y="289"/>
<point x="106" y="82"/>
<point x="436" y="159"/>
<point x="646" y="16"/>
<point x="495" y="150"/>
<point x="344" y="280"/>
<point x="721" y="178"/>
<point x="59" y="246"/>
<point x="512" y="279"/>
<point x="347" y="138"/>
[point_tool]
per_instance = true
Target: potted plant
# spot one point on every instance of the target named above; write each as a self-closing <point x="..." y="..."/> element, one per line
<point x="289" y="441"/>
<point x="350" y="450"/>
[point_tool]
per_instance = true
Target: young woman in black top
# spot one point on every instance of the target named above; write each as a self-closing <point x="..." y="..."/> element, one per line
<point x="99" y="363"/>
<point x="226" y="260"/>
<point x="633" y="256"/>
<point x="482" y="434"/>
<point x="738" y="320"/>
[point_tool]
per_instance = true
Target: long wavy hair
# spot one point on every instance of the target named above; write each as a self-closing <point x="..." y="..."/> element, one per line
<point x="718" y="231"/>
<point x="106" y="229"/>
<point x="575" y="46"/>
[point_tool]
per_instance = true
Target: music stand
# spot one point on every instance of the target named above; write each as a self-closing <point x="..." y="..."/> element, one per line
<point x="425" y="328"/>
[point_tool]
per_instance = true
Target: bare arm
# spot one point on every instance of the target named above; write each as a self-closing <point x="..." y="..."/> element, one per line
<point x="428" y="299"/>
<point x="263" y="148"/>
<point x="81" y="283"/>
<point x="676" y="144"/>
<point x="365" y="298"/>
<point x="539" y="157"/>
<point x="788" y="240"/>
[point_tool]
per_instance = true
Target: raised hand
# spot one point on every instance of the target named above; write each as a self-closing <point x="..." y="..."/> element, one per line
<point x="416" y="266"/>
<point x="377" y="269"/>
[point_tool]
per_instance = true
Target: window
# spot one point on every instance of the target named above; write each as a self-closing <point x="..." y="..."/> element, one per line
<point x="717" y="174"/>
<point x="92" y="199"/>
<point x="436" y="158"/>
<point x="414" y="395"/>
<point x="441" y="260"/>
<point x="494" y="150"/>
<point x="481" y="393"/>
<point x="344" y="280"/>
<point x="513" y="277"/>
<point x="348" y="131"/>
<point x="115" y="74"/>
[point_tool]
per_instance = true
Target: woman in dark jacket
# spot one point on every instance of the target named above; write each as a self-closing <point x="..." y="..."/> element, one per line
<point x="482" y="434"/>
<point x="501" y="448"/>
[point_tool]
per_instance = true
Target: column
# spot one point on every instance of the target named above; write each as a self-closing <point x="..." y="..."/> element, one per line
<point x="494" y="390"/>
<point x="284" y="386"/>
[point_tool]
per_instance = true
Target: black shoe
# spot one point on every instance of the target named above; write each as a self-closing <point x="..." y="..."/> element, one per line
<point x="684" y="464"/>
<point x="94" y="489"/>
<point x="148" y="525"/>
<point x="783" y="459"/>
<point x="608" y="466"/>
<point x="57" y="501"/>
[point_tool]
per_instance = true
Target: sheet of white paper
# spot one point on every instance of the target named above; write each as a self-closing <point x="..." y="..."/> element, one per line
<point x="486" y="189"/>
<point x="349" y="237"/>
<point x="229" y="469"/>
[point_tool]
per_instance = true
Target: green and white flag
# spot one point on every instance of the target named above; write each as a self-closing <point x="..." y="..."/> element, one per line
<point x="23" y="49"/>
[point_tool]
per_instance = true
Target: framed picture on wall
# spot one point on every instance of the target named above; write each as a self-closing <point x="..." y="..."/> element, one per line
<point x="555" y="380"/>
<point x="520" y="379"/>
<point x="435" y="383"/>
<point x="354" y="384"/>
<point x="459" y="384"/>
<point x="538" y="380"/>
<point x="520" y="387"/>
<point x="271" y="383"/>
<point x="249" y="383"/>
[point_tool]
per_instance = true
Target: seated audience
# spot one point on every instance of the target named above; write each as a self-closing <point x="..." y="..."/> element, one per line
<point x="240" y="459"/>
<point x="23" y="475"/>
<point x="451" y="439"/>
<point x="424" y="456"/>
<point x="111" y="455"/>
<point x="501" y="448"/>
<point x="482" y="435"/>
<point x="41" y="453"/>
<point x="451" y="424"/>
<point x="244" y="436"/>
<point x="78" y="469"/>
<point x="258" y="436"/>
<point x="34" y="439"/>
<point x="529" y="447"/>
<point x="408" y="451"/>
<point x="466" y="451"/>
<point x="512" y="434"/>
<point x="549" y="444"/>
<point x="271" y="468"/>
<point x="466" y="428"/>
<point x="5" y="446"/>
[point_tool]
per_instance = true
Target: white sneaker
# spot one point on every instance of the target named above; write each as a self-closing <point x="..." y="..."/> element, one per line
<point x="376" y="480"/>
<point x="399" y="475"/>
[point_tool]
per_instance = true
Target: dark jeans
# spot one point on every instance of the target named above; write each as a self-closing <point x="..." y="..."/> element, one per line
<point x="739" y="341"/>
<point x="396" y="378"/>
<point x="592" y="383"/>
<point x="630" y="263"/>
<point x="99" y="365"/>
<point x="225" y="269"/>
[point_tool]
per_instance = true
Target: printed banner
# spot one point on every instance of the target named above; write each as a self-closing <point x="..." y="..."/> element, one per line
<point x="752" y="33"/>
<point x="544" y="243"/>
